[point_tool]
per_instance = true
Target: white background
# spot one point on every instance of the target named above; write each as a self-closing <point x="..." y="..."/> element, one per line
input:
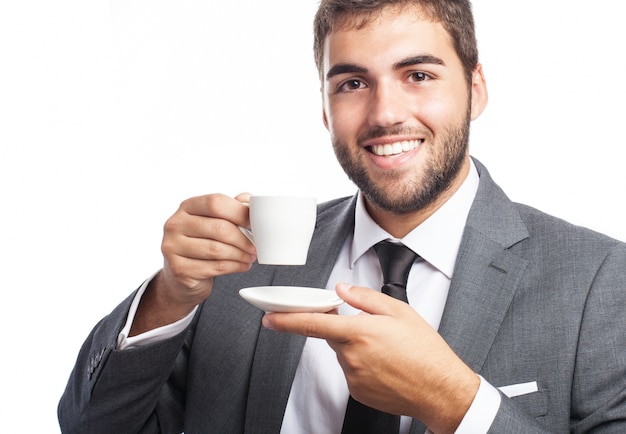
<point x="113" y="112"/>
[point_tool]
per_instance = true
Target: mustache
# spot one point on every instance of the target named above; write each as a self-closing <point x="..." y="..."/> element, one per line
<point x="396" y="130"/>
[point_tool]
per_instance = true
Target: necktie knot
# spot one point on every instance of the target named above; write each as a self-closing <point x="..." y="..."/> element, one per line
<point x="396" y="261"/>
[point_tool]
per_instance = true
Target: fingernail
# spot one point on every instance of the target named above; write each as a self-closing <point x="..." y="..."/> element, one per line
<point x="267" y="323"/>
<point x="343" y="286"/>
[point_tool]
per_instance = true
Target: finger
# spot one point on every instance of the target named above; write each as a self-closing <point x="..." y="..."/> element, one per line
<point x="219" y="206"/>
<point x="316" y="325"/>
<point x="190" y="271"/>
<point x="181" y="227"/>
<point x="368" y="300"/>
<point x="207" y="249"/>
<point x="222" y="231"/>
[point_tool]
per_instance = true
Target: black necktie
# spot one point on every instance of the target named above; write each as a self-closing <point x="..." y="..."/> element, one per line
<point x="396" y="261"/>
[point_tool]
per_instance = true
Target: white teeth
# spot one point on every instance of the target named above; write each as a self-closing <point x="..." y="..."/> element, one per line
<point x="396" y="148"/>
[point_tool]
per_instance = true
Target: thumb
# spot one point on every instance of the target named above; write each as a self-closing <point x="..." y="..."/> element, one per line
<point x="244" y="197"/>
<point x="367" y="300"/>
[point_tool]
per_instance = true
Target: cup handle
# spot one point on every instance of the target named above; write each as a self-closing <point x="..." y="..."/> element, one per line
<point x="247" y="232"/>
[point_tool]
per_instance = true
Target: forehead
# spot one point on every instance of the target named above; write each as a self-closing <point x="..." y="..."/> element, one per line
<point x="393" y="32"/>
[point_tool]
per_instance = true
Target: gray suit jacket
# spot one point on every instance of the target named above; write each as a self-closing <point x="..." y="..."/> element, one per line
<point x="533" y="298"/>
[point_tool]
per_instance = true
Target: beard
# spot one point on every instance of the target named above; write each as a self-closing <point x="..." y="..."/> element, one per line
<point x="401" y="192"/>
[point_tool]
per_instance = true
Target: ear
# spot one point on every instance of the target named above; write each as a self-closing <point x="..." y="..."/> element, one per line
<point x="324" y="115"/>
<point x="479" y="92"/>
<point x="324" y="105"/>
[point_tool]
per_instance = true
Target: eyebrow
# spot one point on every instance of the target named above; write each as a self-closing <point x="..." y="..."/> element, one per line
<point x="350" y="68"/>
<point x="344" y="68"/>
<point x="418" y="60"/>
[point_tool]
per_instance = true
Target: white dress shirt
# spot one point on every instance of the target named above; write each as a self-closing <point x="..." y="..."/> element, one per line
<point x="319" y="393"/>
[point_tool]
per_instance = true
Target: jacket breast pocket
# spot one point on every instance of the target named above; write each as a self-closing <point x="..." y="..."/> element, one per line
<point x="534" y="404"/>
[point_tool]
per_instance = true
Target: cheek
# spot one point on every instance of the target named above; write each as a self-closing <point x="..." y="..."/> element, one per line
<point x="342" y="120"/>
<point x="441" y="112"/>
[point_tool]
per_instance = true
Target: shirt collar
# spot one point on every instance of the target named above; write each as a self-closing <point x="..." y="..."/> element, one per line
<point x="437" y="240"/>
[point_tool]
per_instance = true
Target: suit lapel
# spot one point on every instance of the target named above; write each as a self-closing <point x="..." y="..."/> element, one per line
<point x="484" y="282"/>
<point x="277" y="354"/>
<point x="486" y="274"/>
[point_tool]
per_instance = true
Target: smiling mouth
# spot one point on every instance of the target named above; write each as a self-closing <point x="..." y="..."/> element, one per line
<point x="397" y="148"/>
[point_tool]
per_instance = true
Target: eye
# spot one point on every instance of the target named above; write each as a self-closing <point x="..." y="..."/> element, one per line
<point x="350" y="85"/>
<point x="418" y="76"/>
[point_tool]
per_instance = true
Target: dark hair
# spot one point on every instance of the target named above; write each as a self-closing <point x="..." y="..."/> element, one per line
<point x="454" y="15"/>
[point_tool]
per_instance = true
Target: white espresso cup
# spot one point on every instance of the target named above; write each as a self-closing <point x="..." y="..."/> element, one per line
<point x="281" y="228"/>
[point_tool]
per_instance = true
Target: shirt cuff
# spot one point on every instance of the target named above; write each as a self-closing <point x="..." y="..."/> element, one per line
<point x="158" y="334"/>
<point x="483" y="410"/>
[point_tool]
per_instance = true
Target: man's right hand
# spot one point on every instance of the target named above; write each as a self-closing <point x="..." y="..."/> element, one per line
<point x="200" y="241"/>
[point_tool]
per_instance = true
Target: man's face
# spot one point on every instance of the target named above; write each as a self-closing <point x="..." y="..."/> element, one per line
<point x="398" y="108"/>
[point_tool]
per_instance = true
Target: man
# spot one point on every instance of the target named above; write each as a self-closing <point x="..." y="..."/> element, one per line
<point x="514" y="321"/>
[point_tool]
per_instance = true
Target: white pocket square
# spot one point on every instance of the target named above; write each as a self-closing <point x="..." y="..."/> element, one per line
<point x="519" y="389"/>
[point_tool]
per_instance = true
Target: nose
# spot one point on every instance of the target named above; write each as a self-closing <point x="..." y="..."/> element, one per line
<point x="388" y="106"/>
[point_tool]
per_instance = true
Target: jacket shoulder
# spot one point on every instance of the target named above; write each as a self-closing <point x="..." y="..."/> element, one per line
<point x="548" y="226"/>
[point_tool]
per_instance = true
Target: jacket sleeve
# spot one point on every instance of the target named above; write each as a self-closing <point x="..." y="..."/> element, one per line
<point x="132" y="391"/>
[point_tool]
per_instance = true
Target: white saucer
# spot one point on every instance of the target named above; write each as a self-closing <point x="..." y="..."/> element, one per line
<point x="291" y="298"/>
